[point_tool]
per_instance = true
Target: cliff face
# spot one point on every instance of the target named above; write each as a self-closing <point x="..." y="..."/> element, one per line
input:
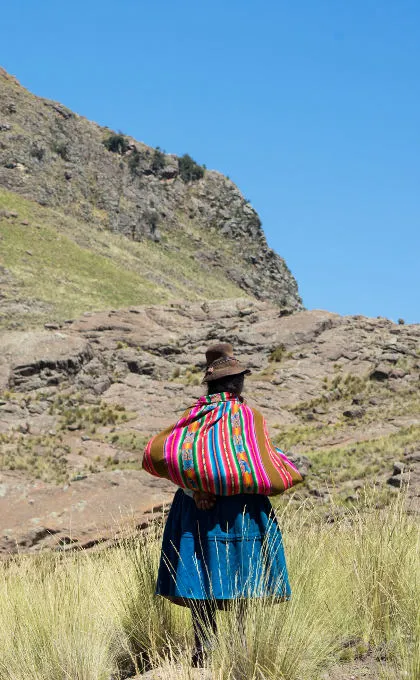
<point x="61" y="160"/>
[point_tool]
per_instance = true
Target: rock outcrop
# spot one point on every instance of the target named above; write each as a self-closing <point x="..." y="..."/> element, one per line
<point x="32" y="360"/>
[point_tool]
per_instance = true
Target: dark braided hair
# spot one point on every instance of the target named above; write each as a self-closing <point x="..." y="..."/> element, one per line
<point x="230" y="383"/>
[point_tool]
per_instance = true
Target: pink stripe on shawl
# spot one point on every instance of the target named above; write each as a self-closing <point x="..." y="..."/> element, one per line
<point x="197" y="449"/>
<point x="250" y="438"/>
<point x="216" y="458"/>
<point x="218" y="444"/>
<point x="278" y="464"/>
<point x="172" y="448"/>
<point x="205" y="451"/>
<point x="286" y="459"/>
<point x="224" y="435"/>
<point x="147" y="460"/>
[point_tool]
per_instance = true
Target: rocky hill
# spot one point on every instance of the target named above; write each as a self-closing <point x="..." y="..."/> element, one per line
<point x="119" y="264"/>
<point x="78" y="402"/>
<point x="188" y="232"/>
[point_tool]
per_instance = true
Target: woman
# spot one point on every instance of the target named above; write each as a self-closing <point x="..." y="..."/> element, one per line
<point x="218" y="548"/>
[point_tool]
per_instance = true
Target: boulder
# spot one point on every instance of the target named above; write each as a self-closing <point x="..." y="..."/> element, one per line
<point x="399" y="480"/>
<point x="303" y="463"/>
<point x="356" y="412"/>
<point x="33" y="358"/>
<point x="380" y="372"/>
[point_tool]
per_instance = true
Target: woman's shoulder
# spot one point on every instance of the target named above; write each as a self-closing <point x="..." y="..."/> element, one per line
<point x="245" y="406"/>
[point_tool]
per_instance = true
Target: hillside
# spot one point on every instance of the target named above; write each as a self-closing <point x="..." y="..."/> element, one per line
<point x="100" y="203"/>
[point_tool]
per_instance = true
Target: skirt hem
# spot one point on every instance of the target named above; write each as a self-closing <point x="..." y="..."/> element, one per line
<point x="221" y="604"/>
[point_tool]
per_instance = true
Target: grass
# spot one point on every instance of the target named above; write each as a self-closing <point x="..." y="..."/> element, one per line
<point x="340" y="387"/>
<point x="67" y="277"/>
<point x="126" y="441"/>
<point x="316" y="434"/>
<point x="278" y="353"/>
<point x="129" y="440"/>
<point x="191" y="375"/>
<point x="44" y="456"/>
<point x="362" y="459"/>
<point x="41" y="456"/>
<point x="59" y="267"/>
<point x="80" y="416"/>
<point x="90" y="615"/>
<point x="326" y="425"/>
<point x="305" y="434"/>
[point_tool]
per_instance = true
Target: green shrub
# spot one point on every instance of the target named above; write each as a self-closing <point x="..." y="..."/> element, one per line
<point x="158" y="161"/>
<point x="37" y="152"/>
<point x="116" y="143"/>
<point x="133" y="162"/>
<point x="401" y="322"/>
<point x="277" y="353"/>
<point x="189" y="170"/>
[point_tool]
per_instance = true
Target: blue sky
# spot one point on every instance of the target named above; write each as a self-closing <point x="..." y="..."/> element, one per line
<point x="310" y="106"/>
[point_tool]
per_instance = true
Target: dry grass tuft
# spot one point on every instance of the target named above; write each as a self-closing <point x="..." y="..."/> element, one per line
<point x="356" y="586"/>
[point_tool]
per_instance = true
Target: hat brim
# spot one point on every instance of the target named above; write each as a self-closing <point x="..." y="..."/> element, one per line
<point x="225" y="372"/>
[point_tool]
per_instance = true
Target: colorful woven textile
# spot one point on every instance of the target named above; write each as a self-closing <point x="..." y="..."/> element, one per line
<point x="220" y="445"/>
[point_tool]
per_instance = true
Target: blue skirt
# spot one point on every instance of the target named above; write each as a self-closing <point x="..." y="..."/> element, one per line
<point x="235" y="550"/>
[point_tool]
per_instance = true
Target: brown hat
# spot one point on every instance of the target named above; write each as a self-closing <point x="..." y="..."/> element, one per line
<point x="221" y="362"/>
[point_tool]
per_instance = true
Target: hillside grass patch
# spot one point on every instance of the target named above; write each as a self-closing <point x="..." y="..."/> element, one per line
<point x="40" y="456"/>
<point x="129" y="440"/>
<point x="305" y="434"/>
<point x="362" y="459"/>
<point x="75" y="267"/>
<point x="50" y="266"/>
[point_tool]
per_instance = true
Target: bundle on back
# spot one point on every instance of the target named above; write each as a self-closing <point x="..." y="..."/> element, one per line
<point x="220" y="445"/>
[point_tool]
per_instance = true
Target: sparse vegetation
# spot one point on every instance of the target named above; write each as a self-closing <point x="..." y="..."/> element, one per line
<point x="305" y="434"/>
<point x="133" y="161"/>
<point x="40" y="456"/>
<point x="363" y="459"/>
<point x="158" y="161"/>
<point x="277" y="354"/>
<point x="128" y="440"/>
<point x="189" y="170"/>
<point x="340" y="387"/>
<point x="190" y="376"/>
<point x="74" y="415"/>
<point x="117" y="143"/>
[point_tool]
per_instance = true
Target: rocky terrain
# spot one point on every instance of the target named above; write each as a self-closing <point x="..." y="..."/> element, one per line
<point x="91" y="182"/>
<point x="78" y="402"/>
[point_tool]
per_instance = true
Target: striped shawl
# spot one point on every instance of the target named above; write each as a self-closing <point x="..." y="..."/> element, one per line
<point x="220" y="445"/>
